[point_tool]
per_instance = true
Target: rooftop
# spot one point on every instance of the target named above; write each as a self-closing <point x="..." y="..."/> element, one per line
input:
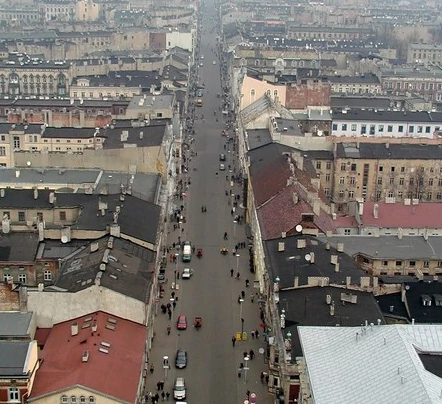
<point x="361" y="102"/>
<point x="389" y="247"/>
<point x="14" y="358"/>
<point x="379" y="151"/>
<point x="108" y="360"/>
<point x="288" y="261"/>
<point x="395" y="215"/>
<point x="128" y="269"/>
<point x="151" y="102"/>
<point x="18" y="247"/>
<point x="14" y="324"/>
<point x="258" y="137"/>
<point x="370" y="115"/>
<point x="393" y="370"/>
<point x="423" y="300"/>
<point x="364" y="79"/>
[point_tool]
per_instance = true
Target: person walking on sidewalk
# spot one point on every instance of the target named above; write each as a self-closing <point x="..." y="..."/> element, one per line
<point x="169" y="328"/>
<point x="231" y="273"/>
<point x="233" y="341"/>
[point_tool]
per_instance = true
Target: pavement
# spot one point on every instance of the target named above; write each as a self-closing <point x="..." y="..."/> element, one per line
<point x="212" y="374"/>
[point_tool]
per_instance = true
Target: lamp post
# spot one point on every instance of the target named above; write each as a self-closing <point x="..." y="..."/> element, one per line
<point x="246" y="367"/>
<point x="234" y="228"/>
<point x="241" y="301"/>
<point x="165" y="366"/>
<point x="282" y="316"/>
<point x="172" y="301"/>
<point x="237" y="261"/>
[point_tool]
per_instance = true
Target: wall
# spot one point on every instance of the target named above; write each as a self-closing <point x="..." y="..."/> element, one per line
<point x="55" y="307"/>
<point x="181" y="39"/>
<point x="9" y="300"/>
<point x="253" y="89"/>
<point x="78" y="391"/>
<point x="301" y="96"/>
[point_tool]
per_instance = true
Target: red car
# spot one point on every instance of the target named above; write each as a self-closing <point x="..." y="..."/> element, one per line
<point x="181" y="323"/>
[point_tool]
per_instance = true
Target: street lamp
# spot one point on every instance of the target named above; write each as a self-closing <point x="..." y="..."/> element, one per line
<point x="237" y="261"/>
<point x="234" y="228"/>
<point x="177" y="255"/>
<point x="165" y="365"/>
<point x="246" y="367"/>
<point x="241" y="301"/>
<point x="282" y="316"/>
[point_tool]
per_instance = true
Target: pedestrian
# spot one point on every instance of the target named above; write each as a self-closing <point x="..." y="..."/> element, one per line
<point x="247" y="283"/>
<point x="174" y="304"/>
<point x="151" y="368"/>
<point x="169" y="328"/>
<point x="163" y="396"/>
<point x="256" y="334"/>
<point x="262" y="377"/>
<point x="167" y="396"/>
<point x="267" y="379"/>
<point x="253" y="334"/>
<point x="251" y="354"/>
<point x="248" y="394"/>
<point x="239" y="299"/>
<point x="158" y="385"/>
<point x="245" y="354"/>
<point x="233" y="341"/>
<point x="170" y="314"/>
<point x="231" y="273"/>
<point x="252" y="297"/>
<point x="243" y="294"/>
<point x="157" y="397"/>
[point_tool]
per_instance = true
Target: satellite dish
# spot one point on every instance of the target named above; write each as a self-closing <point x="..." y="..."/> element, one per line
<point x="307" y="257"/>
<point x="28" y="164"/>
<point x="64" y="239"/>
<point x="298" y="228"/>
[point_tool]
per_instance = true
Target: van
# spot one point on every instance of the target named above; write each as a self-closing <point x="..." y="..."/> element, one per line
<point x="187" y="252"/>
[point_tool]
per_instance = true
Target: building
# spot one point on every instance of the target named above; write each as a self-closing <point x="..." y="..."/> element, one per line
<point x="386" y="256"/>
<point x="88" y="359"/>
<point x="368" y="84"/>
<point x="381" y="123"/>
<point x="17" y="326"/>
<point x="116" y="271"/>
<point x="389" y="172"/>
<point x="422" y="53"/>
<point x="401" y="363"/>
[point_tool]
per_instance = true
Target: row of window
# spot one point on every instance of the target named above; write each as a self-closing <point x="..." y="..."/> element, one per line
<point x="73" y="399"/>
<point x="412" y="86"/>
<point x="373" y="128"/>
<point x="268" y="92"/>
<point x="428" y="196"/>
<point x="280" y="63"/>
<point x="401" y="181"/>
<point x="22" y="215"/>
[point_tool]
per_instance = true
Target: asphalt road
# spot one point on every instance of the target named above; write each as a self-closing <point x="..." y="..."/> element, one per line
<point x="212" y="372"/>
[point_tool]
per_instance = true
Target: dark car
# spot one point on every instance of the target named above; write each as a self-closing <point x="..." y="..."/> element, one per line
<point x="222" y="157"/>
<point x="162" y="275"/>
<point x="181" y="359"/>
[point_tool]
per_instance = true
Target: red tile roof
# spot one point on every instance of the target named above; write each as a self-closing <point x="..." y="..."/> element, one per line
<point x="396" y="215"/>
<point x="115" y="374"/>
<point x="41" y="335"/>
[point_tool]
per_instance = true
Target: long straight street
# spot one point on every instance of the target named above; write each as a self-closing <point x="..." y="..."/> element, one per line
<point x="212" y="374"/>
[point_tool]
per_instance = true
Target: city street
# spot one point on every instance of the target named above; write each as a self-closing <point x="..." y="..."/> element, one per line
<point x="212" y="373"/>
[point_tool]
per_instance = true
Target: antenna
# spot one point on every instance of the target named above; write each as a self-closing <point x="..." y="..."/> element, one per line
<point x="298" y="228"/>
<point x="308" y="257"/>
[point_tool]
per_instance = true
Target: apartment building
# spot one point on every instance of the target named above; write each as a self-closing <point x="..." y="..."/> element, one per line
<point x="422" y="53"/>
<point x="386" y="172"/>
<point x="368" y="84"/>
<point x="381" y="123"/>
<point x="328" y="33"/>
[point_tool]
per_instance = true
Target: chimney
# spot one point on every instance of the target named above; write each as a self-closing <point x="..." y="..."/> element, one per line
<point x="387" y="145"/>
<point x="74" y="329"/>
<point x="337" y="267"/>
<point x="426" y="234"/>
<point x="85" y="356"/>
<point x="51" y="198"/>
<point x="317" y="207"/>
<point x="2" y="192"/>
<point x="35" y="193"/>
<point x="376" y="211"/>
<point x="17" y="173"/>
<point x="340" y="247"/>
<point x="361" y="208"/>
<point x="295" y="198"/>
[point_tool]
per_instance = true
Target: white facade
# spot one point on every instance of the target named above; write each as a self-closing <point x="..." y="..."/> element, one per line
<point x="179" y="39"/>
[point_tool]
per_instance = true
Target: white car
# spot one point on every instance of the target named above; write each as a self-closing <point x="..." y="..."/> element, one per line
<point x="179" y="389"/>
<point x="187" y="273"/>
<point x="214" y="62"/>
<point x="202" y="56"/>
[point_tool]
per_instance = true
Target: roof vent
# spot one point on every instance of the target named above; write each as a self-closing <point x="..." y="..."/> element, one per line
<point x="85" y="356"/>
<point x="281" y="246"/>
<point x="74" y="329"/>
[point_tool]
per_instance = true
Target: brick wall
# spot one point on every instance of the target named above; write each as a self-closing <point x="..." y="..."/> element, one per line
<point x="9" y="300"/>
<point x="309" y="94"/>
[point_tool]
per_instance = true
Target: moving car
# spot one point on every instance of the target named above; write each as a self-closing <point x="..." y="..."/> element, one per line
<point x="187" y="273"/>
<point x="181" y="359"/>
<point x="222" y="157"/>
<point x="181" y="323"/>
<point x="214" y="62"/>
<point x="201" y="64"/>
<point x="162" y="275"/>
<point x="222" y="167"/>
<point x="187" y="252"/>
<point x="179" y="389"/>
<point x="199" y="93"/>
<point x="202" y="56"/>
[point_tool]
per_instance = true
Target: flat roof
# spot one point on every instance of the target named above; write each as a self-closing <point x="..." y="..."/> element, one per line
<point x="375" y="364"/>
<point x="15" y="324"/>
<point x="18" y="247"/>
<point x="115" y="355"/>
<point x="370" y="115"/>
<point x="14" y="357"/>
<point x="389" y="247"/>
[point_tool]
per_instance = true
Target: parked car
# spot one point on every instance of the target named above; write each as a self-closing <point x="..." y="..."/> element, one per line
<point x="181" y="359"/>
<point x="179" y="389"/>
<point x="214" y="62"/>
<point x="222" y="167"/>
<point x="181" y="323"/>
<point x="187" y="273"/>
<point x="162" y="275"/>
<point x="222" y="157"/>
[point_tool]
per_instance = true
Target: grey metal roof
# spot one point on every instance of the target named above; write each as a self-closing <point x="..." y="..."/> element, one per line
<point x="361" y="102"/>
<point x="13" y="357"/>
<point x="18" y="247"/>
<point x="390" y="151"/>
<point x="14" y="324"/>
<point x="258" y="137"/>
<point x="389" y="247"/>
<point x="388" y="116"/>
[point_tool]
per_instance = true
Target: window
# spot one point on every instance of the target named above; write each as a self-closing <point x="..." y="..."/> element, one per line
<point x="327" y="191"/>
<point x="63" y="215"/>
<point x="427" y="129"/>
<point x="16" y="141"/>
<point x="420" y="129"/>
<point x="347" y="232"/>
<point x="343" y="166"/>
<point x="318" y="165"/>
<point x="354" y="127"/>
<point x="64" y="399"/>
<point x="91" y="400"/>
<point x="381" y="128"/>
<point x="252" y="92"/>
<point x="412" y="263"/>
<point x="2" y="151"/>
<point x="351" y="194"/>
<point x="40" y="216"/>
<point x="82" y="399"/>
<point x="352" y="180"/>
<point x="390" y="128"/>
<point x="439" y="196"/>
<point x="22" y="278"/>
<point x="344" y="126"/>
<point x="47" y="275"/>
<point x="430" y="182"/>
<point x="398" y="263"/>
<point x="341" y="194"/>
<point x="328" y="165"/>
<point x="400" y="128"/>
<point x="390" y="194"/>
<point x="400" y="194"/>
<point x="391" y="180"/>
<point x="411" y="128"/>
<point x="73" y="400"/>
<point x="342" y="180"/>
<point x="353" y="167"/>
<point x="402" y="169"/>
<point x="379" y="181"/>
<point x="385" y="263"/>
<point x="13" y="394"/>
<point x="335" y="126"/>
<point x="381" y="168"/>
<point x="21" y="216"/>
<point x="378" y="195"/>
<point x="429" y="196"/>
